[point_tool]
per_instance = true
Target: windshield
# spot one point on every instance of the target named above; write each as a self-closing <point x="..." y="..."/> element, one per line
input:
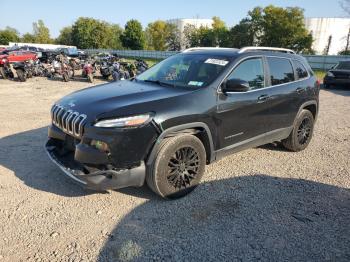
<point x="186" y="70"/>
<point x="343" y="65"/>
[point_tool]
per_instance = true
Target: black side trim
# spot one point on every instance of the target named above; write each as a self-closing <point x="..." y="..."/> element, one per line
<point x="178" y="128"/>
<point x="269" y="137"/>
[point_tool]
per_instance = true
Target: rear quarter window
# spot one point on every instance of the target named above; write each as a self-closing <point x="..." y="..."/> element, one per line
<point x="300" y="70"/>
<point x="281" y="70"/>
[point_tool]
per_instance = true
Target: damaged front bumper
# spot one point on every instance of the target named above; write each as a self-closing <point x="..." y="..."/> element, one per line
<point x="93" y="169"/>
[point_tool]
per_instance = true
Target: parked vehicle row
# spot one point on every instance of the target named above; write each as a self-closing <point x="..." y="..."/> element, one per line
<point x="23" y="64"/>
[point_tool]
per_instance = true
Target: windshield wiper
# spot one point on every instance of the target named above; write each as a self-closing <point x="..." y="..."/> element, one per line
<point x="159" y="82"/>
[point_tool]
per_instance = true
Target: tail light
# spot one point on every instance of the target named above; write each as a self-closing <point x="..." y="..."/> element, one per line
<point x="318" y="83"/>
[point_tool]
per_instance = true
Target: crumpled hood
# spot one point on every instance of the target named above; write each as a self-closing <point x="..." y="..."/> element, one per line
<point x="98" y="100"/>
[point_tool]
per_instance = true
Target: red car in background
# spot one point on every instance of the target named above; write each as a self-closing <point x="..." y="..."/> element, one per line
<point x="18" y="56"/>
<point x="8" y="57"/>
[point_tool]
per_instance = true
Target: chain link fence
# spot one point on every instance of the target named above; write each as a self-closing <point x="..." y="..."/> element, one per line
<point x="325" y="62"/>
<point x="317" y="62"/>
<point x="145" y="54"/>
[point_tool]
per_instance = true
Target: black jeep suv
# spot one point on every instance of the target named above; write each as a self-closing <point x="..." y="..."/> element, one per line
<point x="187" y="111"/>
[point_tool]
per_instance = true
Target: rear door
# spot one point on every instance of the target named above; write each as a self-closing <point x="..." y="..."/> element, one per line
<point x="285" y="93"/>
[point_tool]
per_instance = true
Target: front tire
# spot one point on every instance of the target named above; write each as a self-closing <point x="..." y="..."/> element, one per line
<point x="301" y="134"/>
<point x="178" y="167"/>
<point x="21" y="75"/>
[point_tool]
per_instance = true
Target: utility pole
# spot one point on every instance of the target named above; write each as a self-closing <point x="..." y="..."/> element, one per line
<point x="347" y="42"/>
<point x="326" y="50"/>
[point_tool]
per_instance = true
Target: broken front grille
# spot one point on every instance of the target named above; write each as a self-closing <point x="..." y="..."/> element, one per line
<point x="69" y="121"/>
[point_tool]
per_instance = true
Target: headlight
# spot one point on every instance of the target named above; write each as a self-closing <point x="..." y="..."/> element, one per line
<point x="130" y="121"/>
<point x="330" y="74"/>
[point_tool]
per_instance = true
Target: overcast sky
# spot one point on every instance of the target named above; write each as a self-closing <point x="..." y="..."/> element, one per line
<point x="57" y="14"/>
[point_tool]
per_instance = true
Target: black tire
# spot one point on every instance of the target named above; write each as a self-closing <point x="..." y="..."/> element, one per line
<point x="21" y="75"/>
<point x="65" y="77"/>
<point x="178" y="166"/>
<point x="325" y="86"/>
<point x="2" y="73"/>
<point x="301" y="134"/>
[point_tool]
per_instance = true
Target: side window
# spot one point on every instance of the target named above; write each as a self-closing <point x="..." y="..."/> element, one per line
<point x="300" y="70"/>
<point x="281" y="70"/>
<point x="252" y="71"/>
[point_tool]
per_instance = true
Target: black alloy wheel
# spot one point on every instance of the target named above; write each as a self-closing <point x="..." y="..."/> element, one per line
<point x="183" y="167"/>
<point x="304" y="131"/>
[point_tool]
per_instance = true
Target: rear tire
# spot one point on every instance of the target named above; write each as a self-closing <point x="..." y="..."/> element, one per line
<point x="21" y="75"/>
<point x="301" y="134"/>
<point x="178" y="166"/>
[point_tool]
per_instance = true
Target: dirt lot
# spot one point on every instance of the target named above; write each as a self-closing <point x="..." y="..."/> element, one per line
<point x="261" y="204"/>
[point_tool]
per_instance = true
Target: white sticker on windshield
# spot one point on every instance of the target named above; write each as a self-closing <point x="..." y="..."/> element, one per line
<point x="216" y="61"/>
<point x="195" y="83"/>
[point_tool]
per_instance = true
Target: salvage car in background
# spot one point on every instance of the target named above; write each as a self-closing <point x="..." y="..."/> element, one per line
<point x="9" y="57"/>
<point x="339" y="75"/>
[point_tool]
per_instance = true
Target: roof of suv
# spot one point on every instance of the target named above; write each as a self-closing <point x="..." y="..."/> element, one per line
<point x="233" y="52"/>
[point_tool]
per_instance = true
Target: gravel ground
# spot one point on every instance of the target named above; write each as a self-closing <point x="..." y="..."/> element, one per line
<point x="261" y="204"/>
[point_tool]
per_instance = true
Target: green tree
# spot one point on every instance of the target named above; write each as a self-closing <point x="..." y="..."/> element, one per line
<point x="241" y="35"/>
<point x="8" y="35"/>
<point x="162" y="36"/>
<point x="156" y="35"/>
<point x="115" y="33"/>
<point x="191" y="36"/>
<point x="92" y="33"/>
<point x="344" y="52"/>
<point x="280" y="27"/>
<point x="41" y="33"/>
<point x="173" y="37"/>
<point x="133" y="37"/>
<point x="65" y="37"/>
<point x="217" y="35"/>
<point x="28" y="38"/>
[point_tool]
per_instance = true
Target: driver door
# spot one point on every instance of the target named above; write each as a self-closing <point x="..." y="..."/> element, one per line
<point x="242" y="115"/>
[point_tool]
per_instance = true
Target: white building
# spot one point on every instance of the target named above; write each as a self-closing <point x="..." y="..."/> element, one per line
<point x="323" y="28"/>
<point x="44" y="46"/>
<point x="196" y="22"/>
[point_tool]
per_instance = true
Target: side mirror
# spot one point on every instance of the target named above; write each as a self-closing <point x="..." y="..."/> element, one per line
<point x="235" y="85"/>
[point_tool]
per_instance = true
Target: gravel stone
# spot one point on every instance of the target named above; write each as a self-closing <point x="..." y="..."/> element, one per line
<point x="262" y="204"/>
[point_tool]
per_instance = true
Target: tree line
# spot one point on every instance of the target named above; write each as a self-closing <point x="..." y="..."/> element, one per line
<point x="268" y="26"/>
<point x="92" y="33"/>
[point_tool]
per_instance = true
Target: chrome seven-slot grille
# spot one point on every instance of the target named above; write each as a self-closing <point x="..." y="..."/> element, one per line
<point x="69" y="121"/>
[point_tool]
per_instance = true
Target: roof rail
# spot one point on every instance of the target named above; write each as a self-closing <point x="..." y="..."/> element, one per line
<point x="264" y="48"/>
<point x="206" y="48"/>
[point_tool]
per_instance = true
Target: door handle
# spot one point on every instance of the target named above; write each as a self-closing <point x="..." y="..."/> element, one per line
<point x="263" y="98"/>
<point x="300" y="90"/>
